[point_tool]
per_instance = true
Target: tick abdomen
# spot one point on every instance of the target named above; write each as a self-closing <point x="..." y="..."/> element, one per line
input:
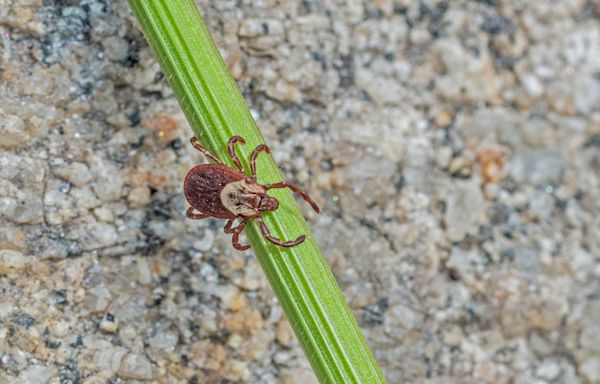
<point x="203" y="185"/>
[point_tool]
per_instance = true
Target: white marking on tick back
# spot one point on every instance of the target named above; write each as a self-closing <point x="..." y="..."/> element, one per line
<point x="241" y="198"/>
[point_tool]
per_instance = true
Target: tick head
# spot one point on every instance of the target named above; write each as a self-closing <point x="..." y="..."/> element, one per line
<point x="268" y="203"/>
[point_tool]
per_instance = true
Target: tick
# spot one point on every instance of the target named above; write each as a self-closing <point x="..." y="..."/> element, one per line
<point x="216" y="190"/>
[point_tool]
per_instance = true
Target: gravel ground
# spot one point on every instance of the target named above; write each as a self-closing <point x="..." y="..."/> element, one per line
<point x="454" y="146"/>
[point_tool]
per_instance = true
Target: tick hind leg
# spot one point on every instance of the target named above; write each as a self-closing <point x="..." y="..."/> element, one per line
<point x="232" y="155"/>
<point x="193" y="215"/>
<point x="228" y="230"/>
<point x="297" y="190"/>
<point x="260" y="148"/>
<point x="276" y="241"/>
<point x="236" y="233"/>
<point x="204" y="151"/>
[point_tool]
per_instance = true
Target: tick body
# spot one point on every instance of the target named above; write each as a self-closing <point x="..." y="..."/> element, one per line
<point x="216" y="190"/>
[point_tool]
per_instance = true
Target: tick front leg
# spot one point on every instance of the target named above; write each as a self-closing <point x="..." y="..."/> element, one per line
<point x="196" y="216"/>
<point x="204" y="151"/>
<point x="297" y="190"/>
<point x="232" y="155"/>
<point x="236" y="233"/>
<point x="276" y="241"/>
<point x="259" y="149"/>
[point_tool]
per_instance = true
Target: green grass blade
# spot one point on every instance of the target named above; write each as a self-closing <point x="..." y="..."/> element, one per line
<point x="299" y="276"/>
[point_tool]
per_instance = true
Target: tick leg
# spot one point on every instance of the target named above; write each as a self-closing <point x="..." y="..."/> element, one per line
<point x="297" y="190"/>
<point x="204" y="151"/>
<point x="228" y="225"/>
<point x="236" y="233"/>
<point x="196" y="216"/>
<point x="276" y="241"/>
<point x="261" y="147"/>
<point x="232" y="155"/>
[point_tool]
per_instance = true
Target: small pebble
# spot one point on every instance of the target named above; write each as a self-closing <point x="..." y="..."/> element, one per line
<point x="460" y="167"/>
<point x="139" y="196"/>
<point x="109" y="323"/>
<point x="548" y="370"/>
<point x="444" y="157"/>
<point x="104" y="214"/>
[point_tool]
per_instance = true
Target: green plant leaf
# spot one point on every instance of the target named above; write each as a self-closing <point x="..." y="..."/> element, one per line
<point x="299" y="276"/>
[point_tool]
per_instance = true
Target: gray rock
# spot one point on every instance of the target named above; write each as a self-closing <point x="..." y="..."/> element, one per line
<point x="538" y="167"/>
<point x="163" y="340"/>
<point x="75" y="173"/>
<point x="369" y="181"/>
<point x="21" y="183"/>
<point x="257" y="27"/>
<point x="93" y="234"/>
<point x="98" y="298"/>
<point x="467" y="78"/>
<point x="590" y="334"/>
<point x="443" y="157"/>
<point x="135" y="367"/>
<point x="115" y="48"/>
<point x="37" y="374"/>
<point x="11" y="262"/>
<point x="12" y="132"/>
<point x="465" y="210"/>
<point x="542" y="205"/>
<point x="507" y="127"/>
<point x="108" y="182"/>
<point x="587" y="98"/>
<point x="108" y="357"/>
<point x="548" y="370"/>
<point x="590" y="369"/>
<point x="463" y="261"/>
<point x="26" y="208"/>
<point x="569" y="375"/>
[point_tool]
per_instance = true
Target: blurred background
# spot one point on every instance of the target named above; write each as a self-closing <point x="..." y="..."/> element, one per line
<point x="454" y="147"/>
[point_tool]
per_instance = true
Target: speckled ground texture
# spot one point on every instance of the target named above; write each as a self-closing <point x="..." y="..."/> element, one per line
<point x="454" y="146"/>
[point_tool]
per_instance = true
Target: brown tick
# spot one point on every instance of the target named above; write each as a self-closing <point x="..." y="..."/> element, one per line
<point x="216" y="190"/>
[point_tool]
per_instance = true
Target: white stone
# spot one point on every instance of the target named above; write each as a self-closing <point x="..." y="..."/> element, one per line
<point x="590" y="369"/>
<point x="36" y="374"/>
<point x="109" y="323"/>
<point x="11" y="261"/>
<point x="93" y="235"/>
<point x="139" y="196"/>
<point x="75" y="173"/>
<point x="107" y="356"/>
<point x="465" y="210"/>
<point x="116" y="48"/>
<point x="12" y="131"/>
<point x="104" y="214"/>
<point x="135" y="367"/>
<point x="163" y="340"/>
<point x="548" y="370"/>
